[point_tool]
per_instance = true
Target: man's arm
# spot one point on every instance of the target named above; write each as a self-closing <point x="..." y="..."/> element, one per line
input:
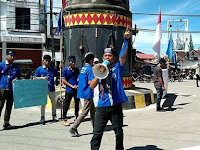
<point x="160" y="79"/>
<point x="123" y="52"/>
<point x="68" y="84"/>
<point x="93" y="83"/>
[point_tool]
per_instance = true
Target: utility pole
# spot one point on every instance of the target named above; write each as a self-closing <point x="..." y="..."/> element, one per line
<point x="51" y="31"/>
<point x="45" y="23"/>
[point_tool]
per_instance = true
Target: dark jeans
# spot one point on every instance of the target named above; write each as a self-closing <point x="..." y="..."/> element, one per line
<point x="67" y="101"/>
<point x="6" y="95"/>
<point x="159" y="96"/>
<point x="103" y="114"/>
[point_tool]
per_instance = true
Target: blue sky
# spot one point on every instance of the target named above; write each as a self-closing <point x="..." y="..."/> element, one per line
<point x="144" y="40"/>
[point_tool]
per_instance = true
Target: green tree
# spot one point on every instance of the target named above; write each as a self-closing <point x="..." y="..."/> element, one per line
<point x="191" y="45"/>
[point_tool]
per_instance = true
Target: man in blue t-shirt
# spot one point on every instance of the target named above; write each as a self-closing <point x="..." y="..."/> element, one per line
<point x="111" y="97"/>
<point x="70" y="79"/>
<point x="47" y="72"/>
<point x="9" y="72"/>
<point x="86" y="84"/>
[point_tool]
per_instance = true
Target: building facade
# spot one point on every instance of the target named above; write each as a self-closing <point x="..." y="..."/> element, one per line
<point x="20" y="30"/>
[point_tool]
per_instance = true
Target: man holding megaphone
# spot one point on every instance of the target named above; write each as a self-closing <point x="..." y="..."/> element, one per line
<point x="111" y="94"/>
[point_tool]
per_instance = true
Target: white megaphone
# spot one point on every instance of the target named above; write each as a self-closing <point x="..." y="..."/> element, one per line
<point x="100" y="70"/>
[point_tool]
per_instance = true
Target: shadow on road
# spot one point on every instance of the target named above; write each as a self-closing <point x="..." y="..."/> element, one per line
<point x="30" y="125"/>
<point x="169" y="102"/>
<point x="110" y="127"/>
<point x="148" y="147"/>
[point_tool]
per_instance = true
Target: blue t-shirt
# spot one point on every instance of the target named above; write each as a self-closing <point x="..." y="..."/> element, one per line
<point x="86" y="75"/>
<point x="8" y="73"/>
<point x="70" y="76"/>
<point x="113" y="94"/>
<point x="50" y="72"/>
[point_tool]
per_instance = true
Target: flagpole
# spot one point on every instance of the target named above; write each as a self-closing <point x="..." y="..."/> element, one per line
<point x="61" y="45"/>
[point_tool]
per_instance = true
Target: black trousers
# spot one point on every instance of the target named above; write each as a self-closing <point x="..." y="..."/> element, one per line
<point x="103" y="114"/>
<point x="67" y="101"/>
<point x="6" y="95"/>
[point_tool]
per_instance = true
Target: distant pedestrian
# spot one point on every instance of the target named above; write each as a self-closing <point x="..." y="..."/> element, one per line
<point x="70" y="79"/>
<point x="197" y="80"/>
<point x="86" y="84"/>
<point x="158" y="82"/>
<point x="48" y="72"/>
<point x="9" y="72"/>
<point x="111" y="97"/>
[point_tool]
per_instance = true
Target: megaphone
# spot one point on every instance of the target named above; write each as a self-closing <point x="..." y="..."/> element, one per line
<point x="100" y="70"/>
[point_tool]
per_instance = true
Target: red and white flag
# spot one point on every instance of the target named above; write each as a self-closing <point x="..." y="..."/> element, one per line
<point x="158" y="36"/>
<point x="64" y="3"/>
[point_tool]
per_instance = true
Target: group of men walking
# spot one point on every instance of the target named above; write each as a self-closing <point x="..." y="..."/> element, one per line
<point x="78" y="85"/>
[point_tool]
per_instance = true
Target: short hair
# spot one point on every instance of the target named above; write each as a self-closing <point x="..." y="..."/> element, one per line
<point x="11" y="52"/>
<point x="162" y="61"/>
<point x="72" y="58"/>
<point x="47" y="57"/>
<point x="88" y="57"/>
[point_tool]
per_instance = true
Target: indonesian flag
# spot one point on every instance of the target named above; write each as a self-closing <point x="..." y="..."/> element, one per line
<point x="64" y="3"/>
<point x="158" y="36"/>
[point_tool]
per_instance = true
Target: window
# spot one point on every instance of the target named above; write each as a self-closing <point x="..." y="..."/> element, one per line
<point x="22" y="18"/>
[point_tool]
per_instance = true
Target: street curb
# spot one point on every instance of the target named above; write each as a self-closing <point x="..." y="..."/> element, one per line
<point x="138" y="98"/>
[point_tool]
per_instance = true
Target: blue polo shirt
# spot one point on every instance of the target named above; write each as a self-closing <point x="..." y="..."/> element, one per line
<point x="42" y="71"/>
<point x="115" y="94"/>
<point x="70" y="76"/>
<point x="86" y="75"/>
<point x="8" y="73"/>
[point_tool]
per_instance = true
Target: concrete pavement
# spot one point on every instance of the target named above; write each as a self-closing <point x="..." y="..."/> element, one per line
<point x="177" y="128"/>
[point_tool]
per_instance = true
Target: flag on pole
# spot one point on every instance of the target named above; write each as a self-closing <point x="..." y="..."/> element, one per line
<point x="170" y="50"/>
<point x="63" y="3"/>
<point x="60" y="23"/>
<point x="170" y="47"/>
<point x="45" y="3"/>
<point x="158" y="36"/>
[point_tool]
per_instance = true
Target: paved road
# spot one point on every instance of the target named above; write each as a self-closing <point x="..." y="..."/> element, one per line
<point x="143" y="128"/>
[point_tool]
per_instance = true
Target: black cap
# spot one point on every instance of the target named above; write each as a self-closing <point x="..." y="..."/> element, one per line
<point x="110" y="50"/>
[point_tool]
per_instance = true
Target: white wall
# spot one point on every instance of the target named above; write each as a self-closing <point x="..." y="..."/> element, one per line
<point x="34" y="10"/>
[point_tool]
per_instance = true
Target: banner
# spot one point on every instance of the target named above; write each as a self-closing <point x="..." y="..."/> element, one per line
<point x="165" y="80"/>
<point x="29" y="93"/>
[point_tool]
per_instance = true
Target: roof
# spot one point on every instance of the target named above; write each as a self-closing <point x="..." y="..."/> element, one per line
<point x="145" y="56"/>
<point x="198" y="51"/>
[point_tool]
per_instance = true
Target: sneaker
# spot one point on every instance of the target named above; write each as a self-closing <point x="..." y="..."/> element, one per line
<point x="65" y="123"/>
<point x="74" y="132"/>
<point x="7" y="126"/>
<point x="42" y="120"/>
<point x="55" y="119"/>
